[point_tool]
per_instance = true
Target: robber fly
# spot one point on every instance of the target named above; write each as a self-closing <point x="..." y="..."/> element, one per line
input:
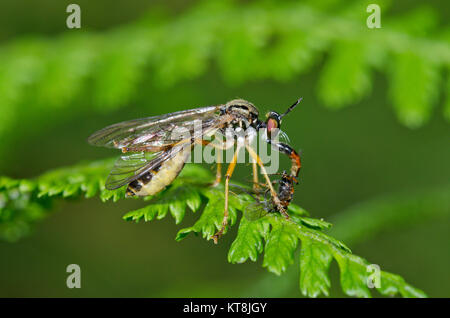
<point x="154" y="154"/>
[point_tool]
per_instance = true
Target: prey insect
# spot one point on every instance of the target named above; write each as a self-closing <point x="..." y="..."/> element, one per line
<point x="157" y="148"/>
<point x="286" y="183"/>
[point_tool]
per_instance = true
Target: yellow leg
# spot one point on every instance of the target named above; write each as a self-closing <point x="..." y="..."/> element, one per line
<point x="219" y="169"/>
<point x="222" y="146"/>
<point x="228" y="175"/>
<point x="255" y="176"/>
<point x="275" y="198"/>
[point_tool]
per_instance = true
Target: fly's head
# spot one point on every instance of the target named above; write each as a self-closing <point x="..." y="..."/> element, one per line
<point x="273" y="120"/>
<point x="273" y="124"/>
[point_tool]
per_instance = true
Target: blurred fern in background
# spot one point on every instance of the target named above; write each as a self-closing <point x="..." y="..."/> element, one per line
<point x="245" y="43"/>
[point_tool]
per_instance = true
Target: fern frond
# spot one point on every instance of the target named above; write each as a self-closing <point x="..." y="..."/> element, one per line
<point x="23" y="202"/>
<point x="414" y="88"/>
<point x="346" y="76"/>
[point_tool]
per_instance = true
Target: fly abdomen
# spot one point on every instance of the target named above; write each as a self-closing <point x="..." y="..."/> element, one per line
<point x="160" y="177"/>
<point x="136" y="186"/>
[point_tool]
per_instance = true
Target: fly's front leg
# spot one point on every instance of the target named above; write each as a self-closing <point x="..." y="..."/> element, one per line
<point x="228" y="175"/>
<point x="291" y="153"/>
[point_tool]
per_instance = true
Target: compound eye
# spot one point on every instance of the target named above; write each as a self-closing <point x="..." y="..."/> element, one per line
<point x="272" y="124"/>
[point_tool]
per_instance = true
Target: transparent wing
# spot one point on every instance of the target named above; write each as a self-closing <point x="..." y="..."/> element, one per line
<point x="154" y="132"/>
<point x="131" y="166"/>
<point x="255" y="211"/>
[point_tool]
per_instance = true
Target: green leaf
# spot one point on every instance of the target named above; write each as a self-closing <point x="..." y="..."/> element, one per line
<point x="249" y="241"/>
<point x="296" y="210"/>
<point x="148" y="213"/>
<point x="353" y="275"/>
<point x="345" y="78"/>
<point x="119" y="69"/>
<point x="194" y="201"/>
<point x="315" y="262"/>
<point x="413" y="88"/>
<point x="211" y="219"/>
<point x="280" y="246"/>
<point x="392" y="285"/>
<point x="318" y="224"/>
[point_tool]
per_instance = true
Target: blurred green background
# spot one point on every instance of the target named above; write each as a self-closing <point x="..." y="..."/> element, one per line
<point x="371" y="126"/>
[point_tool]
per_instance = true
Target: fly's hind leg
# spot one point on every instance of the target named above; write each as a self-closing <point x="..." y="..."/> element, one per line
<point x="219" y="148"/>
<point x="228" y="175"/>
<point x="218" y="169"/>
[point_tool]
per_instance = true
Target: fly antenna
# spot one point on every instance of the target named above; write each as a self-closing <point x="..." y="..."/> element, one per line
<point x="292" y="107"/>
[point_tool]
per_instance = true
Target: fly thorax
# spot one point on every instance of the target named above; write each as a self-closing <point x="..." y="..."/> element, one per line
<point x="240" y="136"/>
<point x="251" y="135"/>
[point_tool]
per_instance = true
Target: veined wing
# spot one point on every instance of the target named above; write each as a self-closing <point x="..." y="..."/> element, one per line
<point x="254" y="211"/>
<point x="131" y="166"/>
<point x="154" y="132"/>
